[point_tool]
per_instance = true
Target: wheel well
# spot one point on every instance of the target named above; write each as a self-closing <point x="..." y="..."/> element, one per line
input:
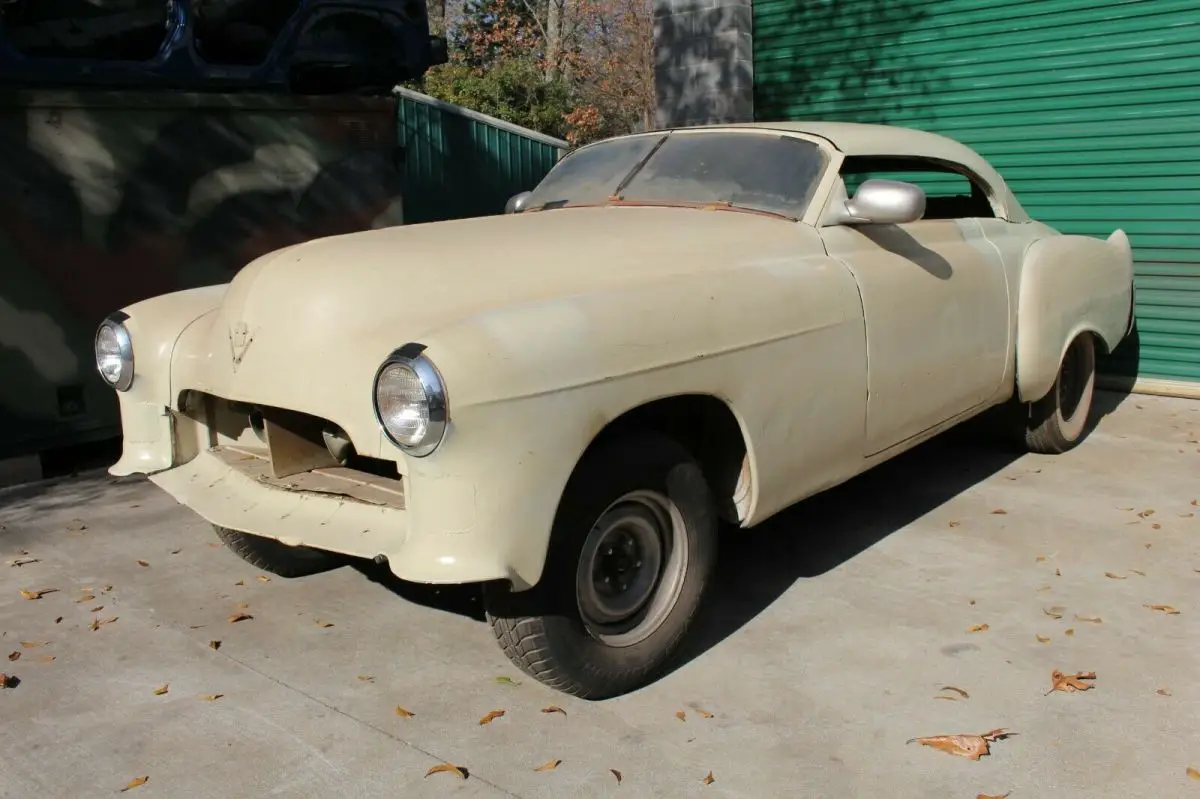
<point x="707" y="427"/>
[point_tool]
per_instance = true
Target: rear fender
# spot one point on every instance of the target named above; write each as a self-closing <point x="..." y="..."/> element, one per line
<point x="1070" y="285"/>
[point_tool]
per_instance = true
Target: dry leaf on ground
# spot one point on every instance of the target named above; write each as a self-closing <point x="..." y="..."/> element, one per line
<point x="262" y="578"/>
<point x="549" y="765"/>
<point x="1069" y="631"/>
<point x="7" y="681"/>
<point x="96" y="609"/>
<point x="506" y="680"/>
<point x="999" y="512"/>
<point x="978" y="628"/>
<point x="1055" y="612"/>
<point x="956" y="690"/>
<point x="239" y="616"/>
<point x="14" y="655"/>
<point x="143" y="563"/>
<point x="85" y="598"/>
<point x="162" y="689"/>
<point x="211" y="697"/>
<point x="1089" y="619"/>
<point x="681" y="715"/>
<point x="98" y="623"/>
<point x="971" y="747"/>
<point x="58" y="620"/>
<point x="135" y="782"/>
<point x="1163" y="692"/>
<point x="47" y="658"/>
<point x="214" y="645"/>
<point x="1138" y="572"/>
<point x="404" y="714"/>
<point x="33" y="644"/>
<point x="1113" y="576"/>
<point x="1068" y="683"/>
<point x="490" y="717"/>
<point x="617" y="774"/>
<point x="954" y="523"/>
<point x="176" y="551"/>
<point x="1167" y="609"/>
<point x="1191" y="772"/>
<point x="23" y="561"/>
<point x="447" y="768"/>
<point x="240" y="582"/>
<point x="365" y="678"/>
<point x="37" y="593"/>
<point x="704" y="714"/>
<point x="1147" y="512"/>
<point x="1043" y="639"/>
<point x="554" y="709"/>
<point x="709" y="779"/>
<point x="325" y="624"/>
<point x="992" y="796"/>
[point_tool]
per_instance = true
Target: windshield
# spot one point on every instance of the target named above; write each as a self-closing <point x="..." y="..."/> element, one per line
<point x="753" y="170"/>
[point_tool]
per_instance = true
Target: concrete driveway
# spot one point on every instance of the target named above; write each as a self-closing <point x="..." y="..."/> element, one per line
<point x="826" y="649"/>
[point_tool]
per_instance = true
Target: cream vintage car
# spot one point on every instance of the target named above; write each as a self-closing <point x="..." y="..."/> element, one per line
<point x="562" y="403"/>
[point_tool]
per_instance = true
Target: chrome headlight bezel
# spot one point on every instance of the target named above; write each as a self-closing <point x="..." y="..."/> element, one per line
<point x="116" y="323"/>
<point x="412" y="357"/>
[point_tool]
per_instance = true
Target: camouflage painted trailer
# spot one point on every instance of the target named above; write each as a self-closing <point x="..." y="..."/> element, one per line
<point x="110" y="197"/>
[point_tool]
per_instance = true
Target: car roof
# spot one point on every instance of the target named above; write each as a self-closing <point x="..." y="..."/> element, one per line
<point x="863" y="139"/>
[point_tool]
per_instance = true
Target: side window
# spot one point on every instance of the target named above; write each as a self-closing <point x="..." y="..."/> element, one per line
<point x="948" y="194"/>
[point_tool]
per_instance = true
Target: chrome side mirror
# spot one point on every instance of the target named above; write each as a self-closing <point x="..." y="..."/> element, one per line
<point x="884" y="202"/>
<point x="517" y="202"/>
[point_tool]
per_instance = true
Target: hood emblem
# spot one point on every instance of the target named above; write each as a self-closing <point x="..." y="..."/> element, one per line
<point x="240" y="340"/>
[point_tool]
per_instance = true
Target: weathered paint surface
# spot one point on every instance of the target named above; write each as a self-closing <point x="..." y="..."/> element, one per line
<point x="107" y="198"/>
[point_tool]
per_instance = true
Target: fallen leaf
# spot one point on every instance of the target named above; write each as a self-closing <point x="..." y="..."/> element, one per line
<point x="1137" y="572"/>
<point x="616" y="774"/>
<point x="1069" y="683"/>
<point x="1046" y="587"/>
<point x="37" y="594"/>
<point x="98" y="623"/>
<point x="33" y="644"/>
<point x="96" y="609"/>
<point x="7" y="681"/>
<point x="47" y="658"/>
<point x="239" y="616"/>
<point x="211" y="697"/>
<point x="1147" y="512"/>
<point x="1089" y="619"/>
<point x="704" y="714"/>
<point x="956" y="690"/>
<point x="1191" y="772"/>
<point x="549" y="765"/>
<point x="162" y="689"/>
<point x="365" y="678"/>
<point x="1124" y="508"/>
<point x="1163" y="692"/>
<point x="554" y="709"/>
<point x="1167" y="609"/>
<point x="404" y="714"/>
<point x="446" y="768"/>
<point x="1039" y="559"/>
<point x="1196" y="502"/>
<point x="679" y="714"/>
<point x="1058" y="572"/>
<point x="1156" y="526"/>
<point x="993" y="796"/>
<point x="709" y="779"/>
<point x="1069" y="631"/>
<point x="954" y="524"/>
<point x="1055" y="612"/>
<point x="23" y="561"/>
<point x="240" y="582"/>
<point x="978" y="628"/>
<point x="999" y="512"/>
<point x="143" y="563"/>
<point x="58" y="620"/>
<point x="1112" y="576"/>
<point x="214" y="645"/>
<point x="215" y="544"/>
<point x="262" y="578"/>
<point x="176" y="551"/>
<point x="85" y="598"/>
<point x="1043" y="639"/>
<point x="490" y="717"/>
<point x="971" y="747"/>
<point x="325" y="624"/>
<point x="135" y="782"/>
<point x="506" y="680"/>
<point x="1186" y="515"/>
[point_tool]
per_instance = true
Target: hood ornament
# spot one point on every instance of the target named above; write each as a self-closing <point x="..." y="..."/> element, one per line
<point x="239" y="341"/>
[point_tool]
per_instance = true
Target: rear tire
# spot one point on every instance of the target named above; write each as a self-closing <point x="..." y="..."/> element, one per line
<point x="277" y="557"/>
<point x="1058" y="421"/>
<point x="632" y="550"/>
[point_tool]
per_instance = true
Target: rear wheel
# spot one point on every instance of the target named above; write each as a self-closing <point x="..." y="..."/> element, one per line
<point x="1057" y="421"/>
<point x="277" y="557"/>
<point x="631" y="553"/>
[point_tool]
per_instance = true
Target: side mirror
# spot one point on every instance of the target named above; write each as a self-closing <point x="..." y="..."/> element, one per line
<point x="517" y="202"/>
<point x="884" y="202"/>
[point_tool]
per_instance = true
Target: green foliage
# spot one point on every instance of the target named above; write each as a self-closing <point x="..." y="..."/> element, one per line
<point x="513" y="89"/>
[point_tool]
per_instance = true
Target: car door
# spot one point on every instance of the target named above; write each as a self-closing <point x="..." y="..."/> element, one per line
<point x="935" y="302"/>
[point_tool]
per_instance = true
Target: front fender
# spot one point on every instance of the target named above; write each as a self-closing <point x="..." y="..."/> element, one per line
<point x="1070" y="285"/>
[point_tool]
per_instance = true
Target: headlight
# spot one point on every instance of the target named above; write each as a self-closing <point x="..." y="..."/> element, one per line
<point x="410" y="401"/>
<point x="114" y="352"/>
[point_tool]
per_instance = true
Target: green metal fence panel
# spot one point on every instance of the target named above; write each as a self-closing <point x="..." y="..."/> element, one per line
<point x="459" y="163"/>
<point x="1089" y="108"/>
<point x="107" y="198"/>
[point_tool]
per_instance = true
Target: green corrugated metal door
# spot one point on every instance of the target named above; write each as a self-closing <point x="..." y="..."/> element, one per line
<point x="1090" y="109"/>
<point x="459" y="163"/>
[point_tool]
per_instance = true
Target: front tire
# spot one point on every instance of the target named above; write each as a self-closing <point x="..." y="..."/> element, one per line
<point x="632" y="550"/>
<point x="277" y="557"/>
<point x="1057" y="422"/>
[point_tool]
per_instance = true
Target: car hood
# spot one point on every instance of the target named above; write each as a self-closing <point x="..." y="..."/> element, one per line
<point x="299" y="324"/>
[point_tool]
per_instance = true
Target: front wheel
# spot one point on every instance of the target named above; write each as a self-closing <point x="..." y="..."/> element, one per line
<point x="277" y="557"/>
<point x="1056" y="422"/>
<point x="631" y="553"/>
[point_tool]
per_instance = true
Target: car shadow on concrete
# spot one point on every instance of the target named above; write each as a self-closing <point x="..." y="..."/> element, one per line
<point x="757" y="566"/>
